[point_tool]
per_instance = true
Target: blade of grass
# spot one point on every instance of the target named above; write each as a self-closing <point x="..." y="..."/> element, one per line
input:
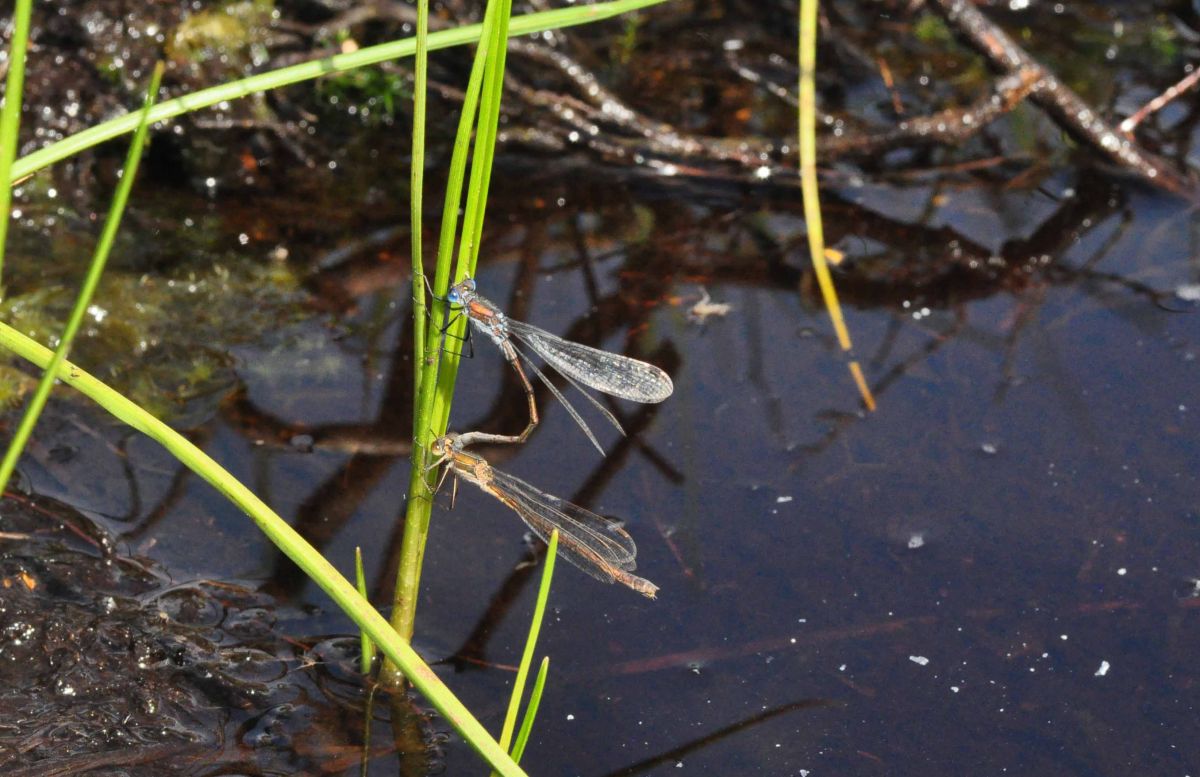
<point x="416" y="194"/>
<point x="428" y="423"/>
<point x="99" y="258"/>
<point x="424" y="370"/>
<point x="274" y="79"/>
<point x="287" y="539"/>
<point x="482" y="156"/>
<point x="535" y="629"/>
<point x="360" y="584"/>
<point x="437" y="387"/>
<point x="535" y="700"/>
<point x="425" y="429"/>
<point x="10" y="116"/>
<point x="485" y="147"/>
<point x="810" y="191"/>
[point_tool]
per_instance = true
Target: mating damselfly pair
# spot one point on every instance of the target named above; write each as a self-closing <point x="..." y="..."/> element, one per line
<point x="599" y="547"/>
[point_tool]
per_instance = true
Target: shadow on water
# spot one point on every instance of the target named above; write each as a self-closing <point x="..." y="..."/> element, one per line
<point x="996" y="569"/>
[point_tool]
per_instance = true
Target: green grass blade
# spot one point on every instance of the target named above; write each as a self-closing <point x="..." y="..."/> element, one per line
<point x="275" y="79"/>
<point x="360" y="584"/>
<point x="535" y="628"/>
<point x="539" y="613"/>
<point x="416" y="218"/>
<point x="485" y="143"/>
<point x="535" y="699"/>
<point x="416" y="525"/>
<point x="417" y="515"/>
<point x="99" y="258"/>
<point x="10" y="116"/>
<point x="295" y="547"/>
<point x="482" y="155"/>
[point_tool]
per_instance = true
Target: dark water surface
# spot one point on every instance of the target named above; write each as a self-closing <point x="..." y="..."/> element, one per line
<point x="997" y="572"/>
<point x="997" y="568"/>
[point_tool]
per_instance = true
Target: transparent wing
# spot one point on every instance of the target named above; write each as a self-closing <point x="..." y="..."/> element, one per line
<point x="606" y="372"/>
<point x="599" y="547"/>
<point x="570" y="408"/>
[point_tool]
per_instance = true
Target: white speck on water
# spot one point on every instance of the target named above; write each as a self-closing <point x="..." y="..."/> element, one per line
<point x="570" y="716"/>
<point x="916" y="541"/>
<point x="989" y="448"/>
<point x="1188" y="292"/>
<point x="782" y="500"/>
<point x="921" y="660"/>
<point x="1122" y="571"/>
<point x="1103" y="670"/>
<point x="1063" y="637"/>
<point x="954" y="688"/>
<point x="842" y="668"/>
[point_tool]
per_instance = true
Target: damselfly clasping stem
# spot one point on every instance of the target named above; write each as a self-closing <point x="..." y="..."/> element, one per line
<point x="598" y="546"/>
<point x="609" y="373"/>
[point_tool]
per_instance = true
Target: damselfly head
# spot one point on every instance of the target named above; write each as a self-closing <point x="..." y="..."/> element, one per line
<point x="442" y="446"/>
<point x="461" y="292"/>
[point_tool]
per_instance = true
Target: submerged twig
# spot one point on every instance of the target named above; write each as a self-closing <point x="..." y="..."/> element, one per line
<point x="1060" y="101"/>
<point x="1158" y="103"/>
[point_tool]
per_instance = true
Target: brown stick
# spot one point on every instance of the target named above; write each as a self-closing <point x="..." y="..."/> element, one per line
<point x="1158" y="103"/>
<point x="1063" y="105"/>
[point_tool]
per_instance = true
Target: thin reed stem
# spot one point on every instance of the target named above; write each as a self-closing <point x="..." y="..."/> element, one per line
<point x="421" y="482"/>
<point x="10" y="118"/>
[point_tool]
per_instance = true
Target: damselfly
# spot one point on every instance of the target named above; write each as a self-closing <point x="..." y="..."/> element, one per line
<point x="610" y="373"/>
<point x="599" y="547"/>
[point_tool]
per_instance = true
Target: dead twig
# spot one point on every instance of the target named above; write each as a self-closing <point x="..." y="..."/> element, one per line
<point x="946" y="127"/>
<point x="1066" y="107"/>
<point x="1158" y="103"/>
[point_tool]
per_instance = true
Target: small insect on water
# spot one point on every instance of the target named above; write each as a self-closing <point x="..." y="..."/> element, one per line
<point x="597" y="546"/>
<point x="609" y="373"/>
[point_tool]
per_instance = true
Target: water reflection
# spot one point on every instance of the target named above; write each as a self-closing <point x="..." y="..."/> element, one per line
<point x="840" y="590"/>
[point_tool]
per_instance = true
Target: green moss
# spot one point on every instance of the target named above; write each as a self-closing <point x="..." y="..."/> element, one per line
<point x="14" y="385"/>
<point x="932" y="29"/>
<point x="370" y="93"/>
<point x="227" y="34"/>
<point x="163" y="340"/>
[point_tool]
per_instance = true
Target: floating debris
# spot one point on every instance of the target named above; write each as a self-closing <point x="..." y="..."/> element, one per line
<point x="1188" y="292"/>
<point x="705" y="307"/>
